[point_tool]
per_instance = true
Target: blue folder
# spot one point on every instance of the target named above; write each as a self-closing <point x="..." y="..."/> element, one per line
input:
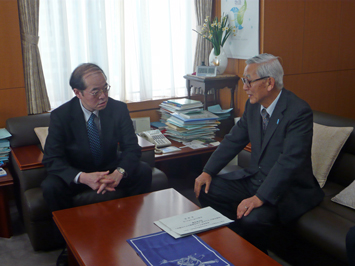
<point x="162" y="249"/>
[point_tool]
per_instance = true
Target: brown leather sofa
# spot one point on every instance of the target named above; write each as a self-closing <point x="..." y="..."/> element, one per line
<point x="318" y="237"/>
<point x="28" y="172"/>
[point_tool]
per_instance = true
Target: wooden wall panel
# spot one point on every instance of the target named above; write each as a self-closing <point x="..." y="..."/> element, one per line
<point x="344" y="103"/>
<point x="325" y="91"/>
<point x="154" y="115"/>
<point x="12" y="104"/>
<point x="315" y="88"/>
<point x="321" y="35"/>
<point x="11" y="70"/>
<point x="315" y="40"/>
<point x="283" y="32"/>
<point x="346" y="52"/>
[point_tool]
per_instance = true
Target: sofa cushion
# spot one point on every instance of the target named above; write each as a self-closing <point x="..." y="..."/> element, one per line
<point x="326" y="230"/>
<point x="340" y="210"/>
<point x="42" y="133"/>
<point x="330" y="189"/>
<point x="327" y="143"/>
<point x="347" y="196"/>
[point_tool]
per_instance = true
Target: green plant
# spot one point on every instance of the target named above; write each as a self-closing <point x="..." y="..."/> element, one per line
<point x="217" y="32"/>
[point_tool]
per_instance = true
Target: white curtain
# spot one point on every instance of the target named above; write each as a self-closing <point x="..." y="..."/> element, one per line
<point x="145" y="47"/>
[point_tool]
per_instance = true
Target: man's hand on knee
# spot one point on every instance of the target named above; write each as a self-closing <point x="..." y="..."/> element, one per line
<point x="247" y="205"/>
<point x="202" y="179"/>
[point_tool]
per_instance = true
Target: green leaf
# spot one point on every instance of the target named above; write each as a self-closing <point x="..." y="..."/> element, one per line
<point x="240" y="14"/>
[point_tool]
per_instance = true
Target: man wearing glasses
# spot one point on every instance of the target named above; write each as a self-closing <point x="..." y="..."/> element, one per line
<point x="278" y="186"/>
<point x="91" y="145"/>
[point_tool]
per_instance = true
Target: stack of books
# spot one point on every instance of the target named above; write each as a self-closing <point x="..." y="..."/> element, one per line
<point x="188" y="126"/>
<point x="4" y="145"/>
<point x="186" y="120"/>
<point x="178" y="105"/>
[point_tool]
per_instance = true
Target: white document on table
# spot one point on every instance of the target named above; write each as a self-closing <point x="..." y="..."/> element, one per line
<point x="193" y="222"/>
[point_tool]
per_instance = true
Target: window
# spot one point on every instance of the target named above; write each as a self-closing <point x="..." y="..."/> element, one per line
<point x="145" y="47"/>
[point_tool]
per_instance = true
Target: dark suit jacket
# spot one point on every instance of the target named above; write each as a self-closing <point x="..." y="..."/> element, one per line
<point x="67" y="150"/>
<point x="283" y="158"/>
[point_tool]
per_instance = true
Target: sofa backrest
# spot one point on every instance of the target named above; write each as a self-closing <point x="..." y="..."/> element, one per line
<point x="22" y="129"/>
<point x="343" y="170"/>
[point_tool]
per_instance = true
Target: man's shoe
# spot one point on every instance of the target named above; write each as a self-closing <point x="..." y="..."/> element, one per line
<point x="63" y="258"/>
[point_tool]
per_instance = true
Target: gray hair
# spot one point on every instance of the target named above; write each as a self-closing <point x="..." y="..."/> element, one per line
<point x="269" y="65"/>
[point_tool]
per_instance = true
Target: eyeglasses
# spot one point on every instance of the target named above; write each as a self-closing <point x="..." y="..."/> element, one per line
<point x="247" y="82"/>
<point x="97" y="93"/>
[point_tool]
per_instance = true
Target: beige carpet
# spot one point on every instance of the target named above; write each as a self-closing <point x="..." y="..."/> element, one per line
<point x="17" y="250"/>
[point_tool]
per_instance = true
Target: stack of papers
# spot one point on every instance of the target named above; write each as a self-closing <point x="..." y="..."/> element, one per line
<point x="4" y="145"/>
<point x="193" y="222"/>
<point x="217" y="110"/>
<point x="183" y="105"/>
<point x="186" y="120"/>
<point x="189" y="126"/>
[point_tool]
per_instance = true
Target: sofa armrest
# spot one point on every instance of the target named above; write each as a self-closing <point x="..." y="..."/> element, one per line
<point x="28" y="167"/>
<point x="27" y="157"/>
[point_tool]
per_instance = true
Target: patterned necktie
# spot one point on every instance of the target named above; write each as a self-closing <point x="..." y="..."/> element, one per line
<point x="94" y="138"/>
<point x="266" y="118"/>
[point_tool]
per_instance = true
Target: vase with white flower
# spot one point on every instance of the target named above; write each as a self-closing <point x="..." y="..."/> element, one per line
<point x="217" y="32"/>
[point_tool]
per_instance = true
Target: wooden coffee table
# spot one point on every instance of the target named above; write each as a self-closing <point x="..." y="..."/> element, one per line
<point x="96" y="234"/>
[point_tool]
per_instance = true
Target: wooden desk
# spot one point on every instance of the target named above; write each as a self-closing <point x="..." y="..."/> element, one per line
<point x="5" y="218"/>
<point x="184" y="152"/>
<point x="96" y="234"/>
<point x="209" y="83"/>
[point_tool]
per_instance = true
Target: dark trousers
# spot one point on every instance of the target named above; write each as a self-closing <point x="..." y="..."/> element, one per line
<point x="225" y="195"/>
<point x="350" y="246"/>
<point x="59" y="195"/>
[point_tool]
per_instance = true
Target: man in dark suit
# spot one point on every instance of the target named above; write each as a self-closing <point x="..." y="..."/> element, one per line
<point x="278" y="186"/>
<point x="91" y="145"/>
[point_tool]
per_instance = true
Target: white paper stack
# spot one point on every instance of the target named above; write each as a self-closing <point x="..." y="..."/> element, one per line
<point x="192" y="222"/>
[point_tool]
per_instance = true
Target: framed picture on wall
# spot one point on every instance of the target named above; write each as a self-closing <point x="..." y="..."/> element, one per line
<point x="244" y="16"/>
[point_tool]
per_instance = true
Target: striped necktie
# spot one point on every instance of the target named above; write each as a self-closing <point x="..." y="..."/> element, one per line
<point x="266" y="118"/>
<point x="94" y="139"/>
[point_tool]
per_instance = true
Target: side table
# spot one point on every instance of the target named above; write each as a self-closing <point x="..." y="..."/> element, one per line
<point x="209" y="83"/>
<point x="5" y="219"/>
